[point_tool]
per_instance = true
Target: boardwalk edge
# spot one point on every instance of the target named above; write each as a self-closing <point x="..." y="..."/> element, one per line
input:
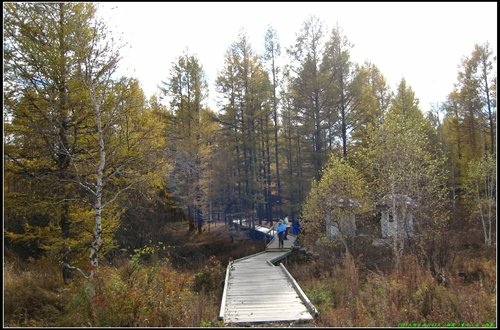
<point x="301" y="293"/>
<point x="223" y="303"/>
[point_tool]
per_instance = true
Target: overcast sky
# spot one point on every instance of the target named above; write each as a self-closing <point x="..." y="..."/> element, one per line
<point x="421" y="42"/>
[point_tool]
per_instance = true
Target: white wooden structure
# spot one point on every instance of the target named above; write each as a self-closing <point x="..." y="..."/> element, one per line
<point x="396" y="215"/>
<point x="346" y="223"/>
<point x="256" y="290"/>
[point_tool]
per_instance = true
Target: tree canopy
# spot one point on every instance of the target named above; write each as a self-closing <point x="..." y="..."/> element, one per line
<point x="90" y="164"/>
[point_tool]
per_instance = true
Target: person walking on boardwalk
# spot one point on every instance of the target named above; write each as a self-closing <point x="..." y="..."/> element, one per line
<point x="287" y="225"/>
<point x="281" y="229"/>
<point x="296" y="228"/>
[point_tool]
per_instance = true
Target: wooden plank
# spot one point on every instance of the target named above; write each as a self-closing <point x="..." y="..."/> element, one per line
<point x="275" y="314"/>
<point x="263" y="307"/>
<point x="236" y="304"/>
<point x="282" y="291"/>
<point x="292" y="314"/>
<point x="258" y="291"/>
<point x="264" y="310"/>
<point x="262" y="297"/>
<point x="250" y="256"/>
<point x="268" y="318"/>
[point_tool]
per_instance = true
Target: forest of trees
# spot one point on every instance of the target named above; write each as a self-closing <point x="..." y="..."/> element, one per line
<point x="92" y="166"/>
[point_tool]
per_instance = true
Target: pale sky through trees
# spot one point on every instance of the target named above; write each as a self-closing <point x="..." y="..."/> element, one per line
<point x="422" y="42"/>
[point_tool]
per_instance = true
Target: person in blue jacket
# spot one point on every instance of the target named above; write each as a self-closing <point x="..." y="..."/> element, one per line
<point x="296" y="228"/>
<point x="281" y="229"/>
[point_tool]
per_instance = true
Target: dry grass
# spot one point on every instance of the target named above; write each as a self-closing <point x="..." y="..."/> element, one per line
<point x="346" y="298"/>
<point x="34" y="294"/>
<point x="181" y="287"/>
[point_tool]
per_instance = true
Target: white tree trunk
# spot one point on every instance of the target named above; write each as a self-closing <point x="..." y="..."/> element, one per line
<point x="96" y="242"/>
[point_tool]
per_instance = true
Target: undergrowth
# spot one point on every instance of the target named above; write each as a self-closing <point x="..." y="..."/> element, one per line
<point x="156" y="286"/>
<point x="409" y="297"/>
<point x="161" y="286"/>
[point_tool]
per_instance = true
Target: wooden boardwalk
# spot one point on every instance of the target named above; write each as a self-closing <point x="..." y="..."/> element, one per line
<point x="256" y="290"/>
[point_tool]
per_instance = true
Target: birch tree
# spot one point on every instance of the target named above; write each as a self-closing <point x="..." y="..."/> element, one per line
<point x="128" y="148"/>
<point x="86" y="125"/>
<point x="47" y="105"/>
<point x="340" y="193"/>
<point x="400" y="160"/>
<point x="480" y="187"/>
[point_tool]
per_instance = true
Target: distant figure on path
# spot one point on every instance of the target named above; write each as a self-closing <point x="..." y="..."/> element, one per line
<point x="232" y="230"/>
<point x="296" y="228"/>
<point x="281" y="230"/>
<point x="287" y="225"/>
